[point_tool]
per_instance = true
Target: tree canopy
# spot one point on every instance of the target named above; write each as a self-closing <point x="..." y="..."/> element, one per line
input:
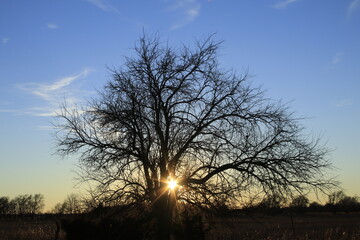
<point x="175" y="114"/>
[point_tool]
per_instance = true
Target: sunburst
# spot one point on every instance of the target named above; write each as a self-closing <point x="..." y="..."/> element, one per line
<point x="172" y="184"/>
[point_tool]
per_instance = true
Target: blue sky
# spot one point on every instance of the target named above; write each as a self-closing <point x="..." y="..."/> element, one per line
<point x="305" y="52"/>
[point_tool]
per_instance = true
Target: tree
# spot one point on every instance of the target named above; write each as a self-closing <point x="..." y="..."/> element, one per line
<point x="59" y="208"/>
<point x="349" y="204"/>
<point x="339" y="201"/>
<point x="315" y="207"/>
<point x="27" y="204"/>
<point x="173" y="114"/>
<point x="71" y="205"/>
<point x="300" y="202"/>
<point x="22" y="204"/>
<point x="272" y="204"/>
<point x="37" y="203"/>
<point x="4" y="205"/>
<point x="336" y="197"/>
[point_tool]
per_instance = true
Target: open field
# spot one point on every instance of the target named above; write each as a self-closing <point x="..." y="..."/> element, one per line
<point x="29" y="229"/>
<point x="308" y="226"/>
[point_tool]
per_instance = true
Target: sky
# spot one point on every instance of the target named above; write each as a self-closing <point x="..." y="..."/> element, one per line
<point x="305" y="53"/>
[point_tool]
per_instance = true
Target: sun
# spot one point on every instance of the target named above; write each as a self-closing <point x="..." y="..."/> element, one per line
<point x="172" y="184"/>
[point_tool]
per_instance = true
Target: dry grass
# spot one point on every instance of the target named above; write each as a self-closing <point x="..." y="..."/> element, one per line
<point x="303" y="227"/>
<point x="19" y="229"/>
<point x="306" y="227"/>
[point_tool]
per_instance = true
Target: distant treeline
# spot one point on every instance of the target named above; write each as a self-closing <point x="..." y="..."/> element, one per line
<point x="273" y="204"/>
<point x="28" y="204"/>
<point x="22" y="204"/>
<point x="337" y="202"/>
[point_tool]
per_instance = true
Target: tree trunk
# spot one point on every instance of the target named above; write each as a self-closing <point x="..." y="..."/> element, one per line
<point x="163" y="209"/>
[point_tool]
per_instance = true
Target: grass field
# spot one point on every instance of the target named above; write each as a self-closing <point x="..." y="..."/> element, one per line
<point x="308" y="226"/>
<point x="27" y="229"/>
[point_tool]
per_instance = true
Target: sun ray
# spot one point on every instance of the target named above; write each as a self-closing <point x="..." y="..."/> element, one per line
<point x="172" y="184"/>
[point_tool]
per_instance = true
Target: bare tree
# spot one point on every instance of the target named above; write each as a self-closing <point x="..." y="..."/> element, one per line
<point x="339" y="201"/>
<point x="336" y="197"/>
<point x="71" y="205"/>
<point x="4" y="205"/>
<point x="173" y="114"/>
<point x="27" y="204"/>
<point x="37" y="203"/>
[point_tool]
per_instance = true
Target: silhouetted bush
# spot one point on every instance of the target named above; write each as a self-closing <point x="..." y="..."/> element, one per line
<point x="299" y="204"/>
<point x="132" y="223"/>
<point x="190" y="226"/>
<point x="271" y="205"/>
<point x="349" y="204"/>
<point x="315" y="207"/>
<point x="339" y="202"/>
<point x="106" y="229"/>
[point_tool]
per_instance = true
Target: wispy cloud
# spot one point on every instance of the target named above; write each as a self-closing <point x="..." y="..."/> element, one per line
<point x="4" y="40"/>
<point x="46" y="128"/>
<point x="344" y="103"/>
<point x="188" y="11"/>
<point x="53" y="94"/>
<point x="103" y="5"/>
<point x="52" y="26"/>
<point x="338" y="57"/>
<point x="353" y="6"/>
<point x="283" y="4"/>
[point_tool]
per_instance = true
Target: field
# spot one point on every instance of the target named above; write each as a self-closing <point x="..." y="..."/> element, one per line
<point x="308" y="226"/>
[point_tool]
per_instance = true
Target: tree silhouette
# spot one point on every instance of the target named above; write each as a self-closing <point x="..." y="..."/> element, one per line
<point x="4" y="205"/>
<point x="22" y="204"/>
<point x="300" y="202"/>
<point x="175" y="114"/>
<point x="339" y="201"/>
<point x="71" y="205"/>
<point x="336" y="197"/>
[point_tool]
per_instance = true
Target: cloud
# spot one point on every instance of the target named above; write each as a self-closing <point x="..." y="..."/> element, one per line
<point x="188" y="10"/>
<point x="283" y="4"/>
<point x="353" y="6"/>
<point x="344" y="103"/>
<point x="52" y="26"/>
<point x="338" y="57"/>
<point x="53" y="94"/>
<point x="46" y="128"/>
<point x="103" y="5"/>
<point x="4" y="40"/>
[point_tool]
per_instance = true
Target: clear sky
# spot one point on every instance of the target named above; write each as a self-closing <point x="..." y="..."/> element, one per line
<point x="304" y="52"/>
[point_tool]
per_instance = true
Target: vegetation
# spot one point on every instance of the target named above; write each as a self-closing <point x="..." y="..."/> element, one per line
<point x="272" y="218"/>
<point x="71" y="205"/>
<point x="338" y="201"/>
<point x="176" y="116"/>
<point x="22" y="204"/>
<point x="248" y="227"/>
<point x="173" y="144"/>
